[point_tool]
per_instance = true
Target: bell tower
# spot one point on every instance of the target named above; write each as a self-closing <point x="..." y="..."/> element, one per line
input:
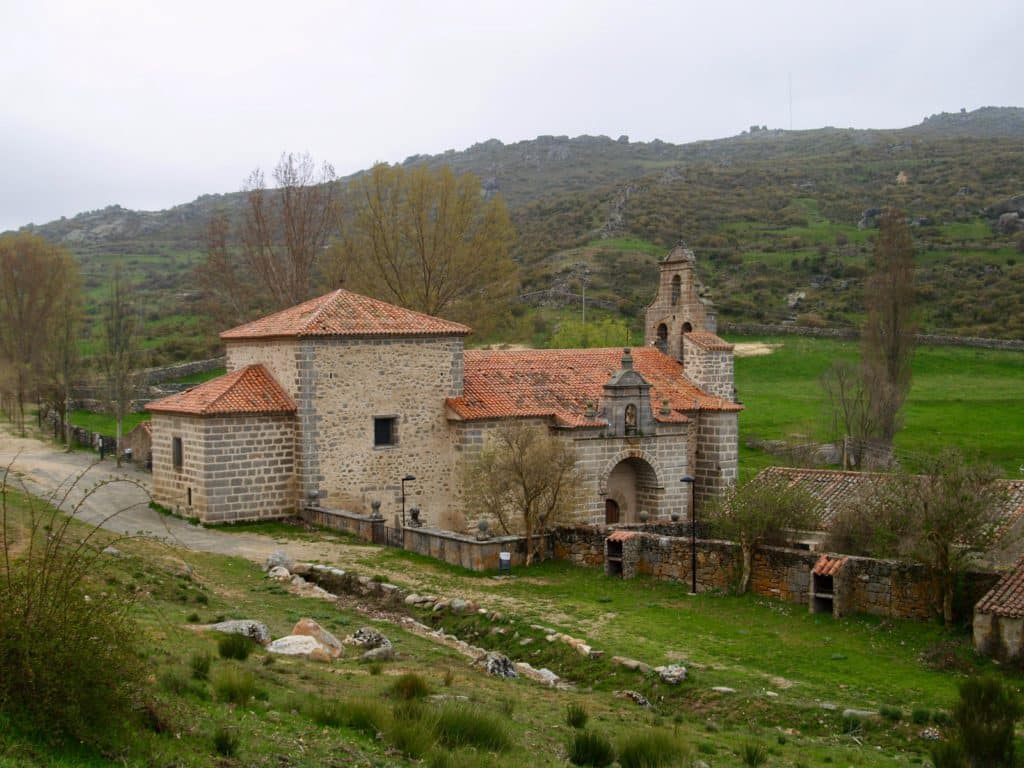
<point x="678" y="308"/>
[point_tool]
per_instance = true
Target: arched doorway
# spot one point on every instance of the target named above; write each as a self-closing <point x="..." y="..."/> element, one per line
<point x="633" y="486"/>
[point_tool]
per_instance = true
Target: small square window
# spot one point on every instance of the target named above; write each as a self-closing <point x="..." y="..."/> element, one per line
<point x="176" y="452"/>
<point x="385" y="430"/>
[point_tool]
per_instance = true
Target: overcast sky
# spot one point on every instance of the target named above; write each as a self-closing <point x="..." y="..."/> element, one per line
<point x="150" y="104"/>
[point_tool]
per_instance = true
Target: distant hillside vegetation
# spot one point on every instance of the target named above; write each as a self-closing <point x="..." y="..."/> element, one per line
<point x="781" y="222"/>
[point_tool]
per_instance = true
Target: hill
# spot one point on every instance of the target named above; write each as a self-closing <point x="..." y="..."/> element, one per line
<point x="781" y="221"/>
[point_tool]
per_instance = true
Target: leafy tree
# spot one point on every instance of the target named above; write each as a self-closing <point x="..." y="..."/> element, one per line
<point x="761" y="511"/>
<point x="429" y="241"/>
<point x="119" y="353"/>
<point x="606" y="332"/>
<point x="888" y="336"/>
<point x="526" y="477"/>
<point x="35" y="277"/>
<point x="941" y="518"/>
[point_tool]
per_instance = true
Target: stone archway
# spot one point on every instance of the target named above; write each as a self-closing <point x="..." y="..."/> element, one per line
<point x="632" y="485"/>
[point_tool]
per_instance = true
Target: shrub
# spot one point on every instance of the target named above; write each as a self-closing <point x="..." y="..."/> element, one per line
<point x="650" y="749"/>
<point x="985" y="717"/>
<point x="449" y="677"/>
<point x="173" y="681"/>
<point x="948" y="754"/>
<point x="576" y="716"/>
<point x="590" y="748"/>
<point x="754" y="754"/>
<point x="225" y="742"/>
<point x="892" y="714"/>
<point x="234" y="647"/>
<point x="376" y="668"/>
<point x="367" y="717"/>
<point x="413" y="738"/>
<point x="200" y="663"/>
<point x="234" y="686"/>
<point x="410" y="686"/>
<point x="459" y="725"/>
<point x="920" y="716"/>
<point x="942" y="718"/>
<point x="68" y="666"/>
<point x="192" y="618"/>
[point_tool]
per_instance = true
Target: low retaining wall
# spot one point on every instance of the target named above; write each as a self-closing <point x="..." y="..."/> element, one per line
<point x="926" y="339"/>
<point x="865" y="585"/>
<point x="448" y="546"/>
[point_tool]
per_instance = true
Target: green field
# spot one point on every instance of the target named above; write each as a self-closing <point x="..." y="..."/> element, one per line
<point x="969" y="398"/>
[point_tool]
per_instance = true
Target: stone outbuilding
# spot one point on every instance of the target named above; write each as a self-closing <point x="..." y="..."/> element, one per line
<point x="345" y="400"/>
<point x="139" y="441"/>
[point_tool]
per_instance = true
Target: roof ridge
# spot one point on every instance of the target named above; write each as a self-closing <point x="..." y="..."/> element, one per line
<point x="327" y="300"/>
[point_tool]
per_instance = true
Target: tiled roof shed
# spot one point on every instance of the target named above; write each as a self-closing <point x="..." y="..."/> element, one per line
<point x="1006" y="598"/>
<point x="562" y="383"/>
<point x="343" y="313"/>
<point x="249" y="390"/>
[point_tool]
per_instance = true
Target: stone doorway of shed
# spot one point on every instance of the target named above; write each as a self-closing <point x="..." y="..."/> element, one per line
<point x="632" y="487"/>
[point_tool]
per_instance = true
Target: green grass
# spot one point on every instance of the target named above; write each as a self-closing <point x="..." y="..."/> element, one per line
<point x="199" y="378"/>
<point x="106" y="424"/>
<point x="969" y="398"/>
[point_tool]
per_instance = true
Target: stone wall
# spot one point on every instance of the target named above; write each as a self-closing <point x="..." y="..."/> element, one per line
<point x="928" y="339"/>
<point x="709" y="369"/>
<point x="999" y="636"/>
<point x="171" y="486"/>
<point x="279" y="357"/>
<point x="361" y="526"/>
<point x="468" y="551"/>
<point x="717" y="454"/>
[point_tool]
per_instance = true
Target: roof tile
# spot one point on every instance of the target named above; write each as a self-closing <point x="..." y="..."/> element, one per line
<point x="343" y="313"/>
<point x="248" y="390"/>
<point x="709" y="341"/>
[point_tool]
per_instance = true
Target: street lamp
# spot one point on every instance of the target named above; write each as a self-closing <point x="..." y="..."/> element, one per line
<point x="688" y="479"/>
<point x="406" y="479"/>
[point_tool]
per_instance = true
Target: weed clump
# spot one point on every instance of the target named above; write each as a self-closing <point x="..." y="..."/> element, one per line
<point x="576" y="716"/>
<point x="920" y="716"/>
<point x="367" y="717"/>
<point x="225" y="742"/>
<point x="651" y="749"/>
<point x="593" y="749"/>
<point x="892" y="714"/>
<point x="200" y="663"/>
<point x="459" y="725"/>
<point x="410" y="686"/>
<point x="234" y="686"/>
<point x="234" y="647"/>
<point x="754" y="754"/>
<point x="413" y="738"/>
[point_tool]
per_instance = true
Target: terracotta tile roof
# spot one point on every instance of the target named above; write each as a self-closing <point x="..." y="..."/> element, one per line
<point x="709" y="341"/>
<point x="559" y="383"/>
<point x="343" y="313"/>
<point x="248" y="390"/>
<point x="832" y="487"/>
<point x="828" y="566"/>
<point x="1006" y="598"/>
<point x="621" y="536"/>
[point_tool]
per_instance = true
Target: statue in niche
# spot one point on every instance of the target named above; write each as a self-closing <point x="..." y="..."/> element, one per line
<point x="630" y="419"/>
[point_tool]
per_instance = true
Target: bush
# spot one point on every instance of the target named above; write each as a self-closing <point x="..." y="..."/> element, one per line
<point x="413" y="738"/>
<point x="589" y="748"/>
<point x="576" y="716"/>
<point x="234" y="647"/>
<point x="200" y="663"/>
<point x="892" y="714"/>
<point x="225" y="742"/>
<point x="68" y="661"/>
<point x="459" y="725"/>
<point x="234" y="686"/>
<point x="920" y="716"/>
<point x="985" y="717"/>
<point x="410" y="686"/>
<point x="367" y="717"/>
<point x="754" y="754"/>
<point x="650" y="749"/>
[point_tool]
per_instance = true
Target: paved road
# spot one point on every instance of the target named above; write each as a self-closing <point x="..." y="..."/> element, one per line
<point x="118" y="499"/>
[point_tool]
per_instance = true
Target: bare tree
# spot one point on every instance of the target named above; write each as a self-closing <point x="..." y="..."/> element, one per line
<point x="942" y="518"/>
<point x="851" y="417"/>
<point x="33" y="277"/>
<point x="763" y="510"/>
<point x="61" y="359"/>
<point x="229" y="293"/>
<point x="119" y="354"/>
<point x="429" y="241"/>
<point x="284" y="230"/>
<point x="888" y="337"/>
<point x="526" y="477"/>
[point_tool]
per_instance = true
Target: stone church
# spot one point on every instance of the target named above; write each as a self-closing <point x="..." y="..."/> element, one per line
<point x="334" y="401"/>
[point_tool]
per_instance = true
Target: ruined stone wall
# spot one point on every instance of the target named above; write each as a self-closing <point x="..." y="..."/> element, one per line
<point x="278" y="356"/>
<point x="249" y="469"/>
<point x="171" y="485"/>
<point x="717" y="454"/>
<point x="343" y="384"/>
<point x="709" y="369"/>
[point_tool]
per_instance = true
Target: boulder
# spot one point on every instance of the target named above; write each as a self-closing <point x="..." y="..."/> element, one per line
<point x="280" y="573"/>
<point x="279" y="558"/>
<point x="255" y="630"/>
<point x="723" y="689"/>
<point x="673" y="674"/>
<point x="499" y="665"/>
<point x="310" y="628"/>
<point x="631" y="664"/>
<point x="296" y="645"/>
<point x="637" y="698"/>
<point x="460" y="606"/>
<point x="1009" y="223"/>
<point x="367" y="638"/>
<point x="112" y="552"/>
<point x="860" y="714"/>
<point x="380" y="653"/>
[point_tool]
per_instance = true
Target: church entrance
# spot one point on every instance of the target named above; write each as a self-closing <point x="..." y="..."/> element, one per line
<point x="611" y="511"/>
<point x="632" y="487"/>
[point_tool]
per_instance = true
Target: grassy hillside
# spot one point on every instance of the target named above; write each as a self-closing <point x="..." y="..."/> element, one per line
<point x="792" y="673"/>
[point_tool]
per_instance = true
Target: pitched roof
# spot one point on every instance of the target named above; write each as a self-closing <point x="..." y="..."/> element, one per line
<point x="248" y="390"/>
<point x="1006" y="598"/>
<point x="832" y="487"/>
<point x="343" y="313"/>
<point x="559" y="383"/>
<point x="828" y="566"/>
<point x="709" y="341"/>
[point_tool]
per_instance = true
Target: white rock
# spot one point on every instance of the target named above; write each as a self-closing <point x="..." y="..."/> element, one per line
<point x="723" y="689"/>
<point x="280" y="573"/>
<point x="254" y="630"/>
<point x="295" y="645"/>
<point x="279" y="558"/>
<point x="412" y="599"/>
<point x="673" y="674"/>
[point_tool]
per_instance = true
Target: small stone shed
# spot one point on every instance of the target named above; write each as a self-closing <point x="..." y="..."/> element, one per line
<point x="139" y="441"/>
<point x="999" y="617"/>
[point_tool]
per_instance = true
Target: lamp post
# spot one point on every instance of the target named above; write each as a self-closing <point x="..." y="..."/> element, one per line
<point x="406" y="479"/>
<point x="688" y="479"/>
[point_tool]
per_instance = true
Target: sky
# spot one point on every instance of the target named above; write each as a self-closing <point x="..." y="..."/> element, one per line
<point x="151" y="104"/>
